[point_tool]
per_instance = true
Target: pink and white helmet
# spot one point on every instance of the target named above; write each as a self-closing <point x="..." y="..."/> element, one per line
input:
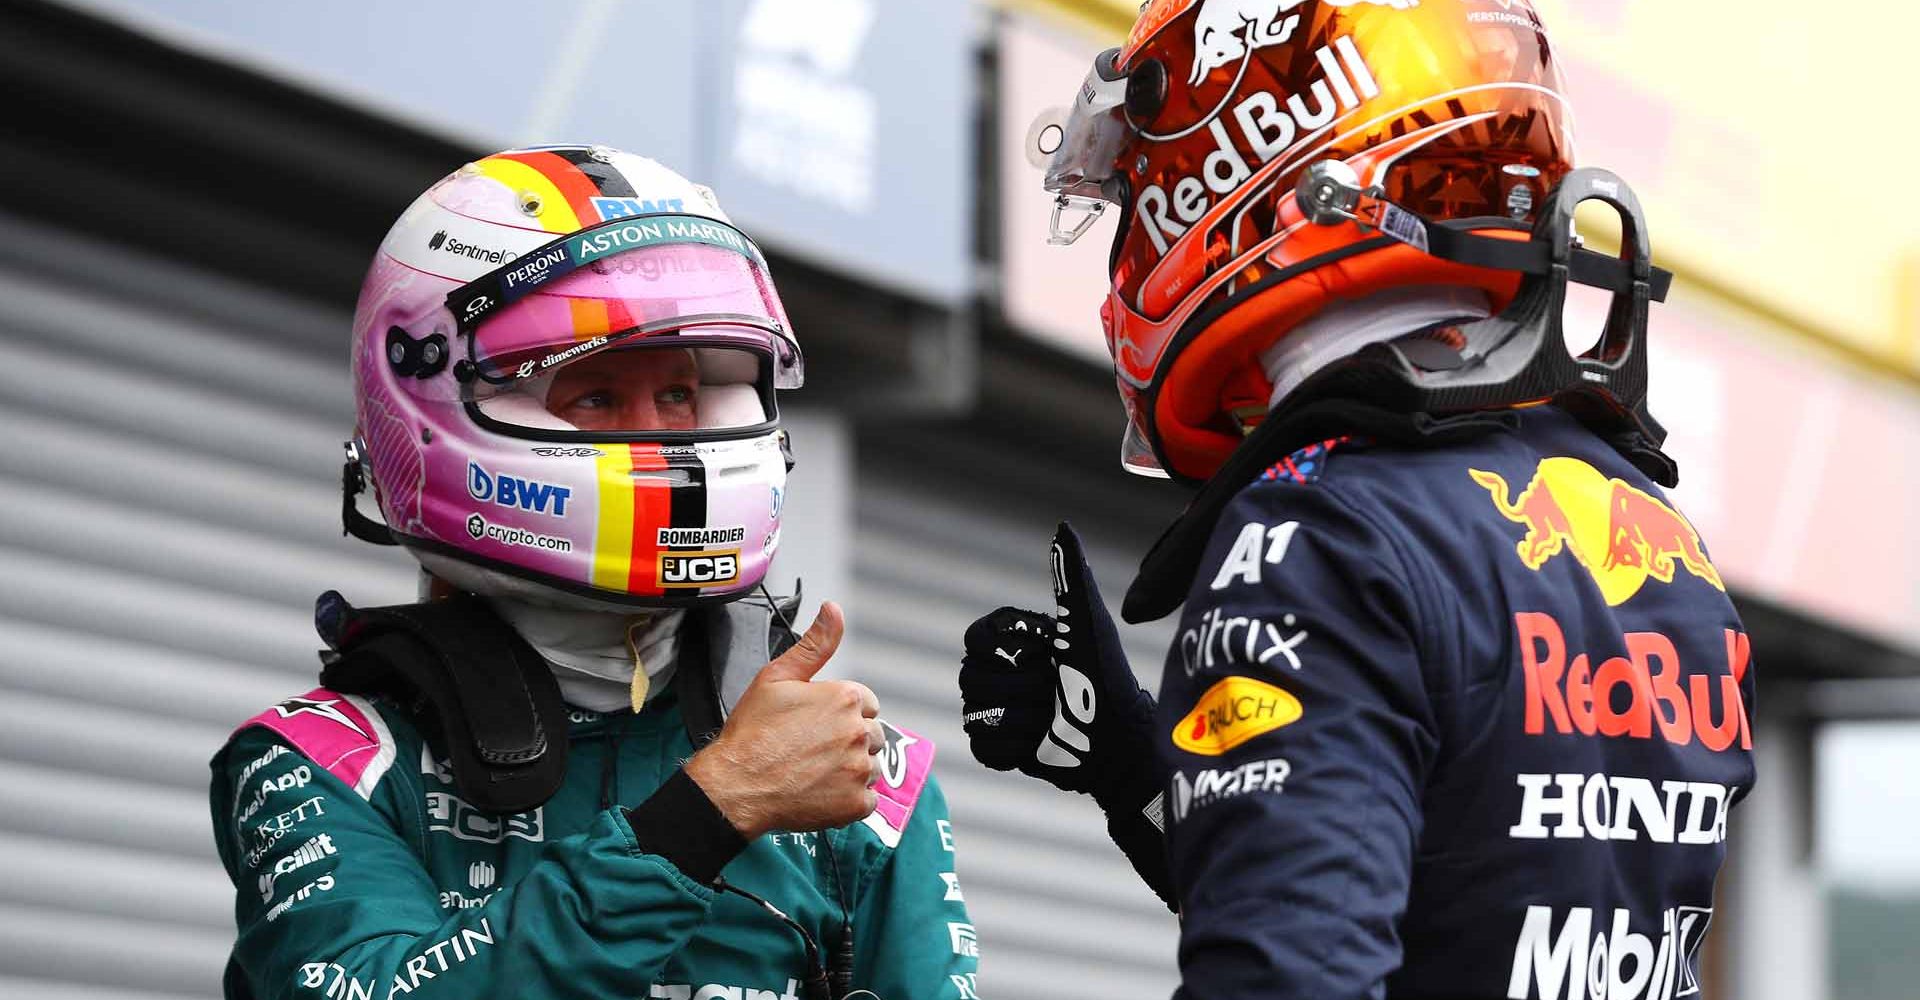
<point x="516" y="319"/>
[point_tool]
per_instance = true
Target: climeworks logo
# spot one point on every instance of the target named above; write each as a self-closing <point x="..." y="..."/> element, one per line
<point x="1609" y="963"/>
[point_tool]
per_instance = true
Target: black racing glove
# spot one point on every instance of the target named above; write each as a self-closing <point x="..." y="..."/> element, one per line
<point x="1053" y="697"/>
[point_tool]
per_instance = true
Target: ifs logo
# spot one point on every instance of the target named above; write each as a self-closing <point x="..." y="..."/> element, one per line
<point x="1621" y="534"/>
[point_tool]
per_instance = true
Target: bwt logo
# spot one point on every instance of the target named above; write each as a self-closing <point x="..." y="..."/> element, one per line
<point x="621" y="208"/>
<point x="698" y="569"/>
<point x="512" y="491"/>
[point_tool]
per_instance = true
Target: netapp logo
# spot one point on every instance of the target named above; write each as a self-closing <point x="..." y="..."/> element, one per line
<point x="703" y="536"/>
<point x="460" y="248"/>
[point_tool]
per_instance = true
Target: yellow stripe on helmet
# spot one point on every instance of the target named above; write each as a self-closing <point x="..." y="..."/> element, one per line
<point x="556" y="214"/>
<point x="613" y="536"/>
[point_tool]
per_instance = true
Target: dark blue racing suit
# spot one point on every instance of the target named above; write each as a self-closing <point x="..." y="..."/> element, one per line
<point x="1456" y="722"/>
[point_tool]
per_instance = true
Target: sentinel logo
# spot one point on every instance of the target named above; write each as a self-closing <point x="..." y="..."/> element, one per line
<point x="454" y="245"/>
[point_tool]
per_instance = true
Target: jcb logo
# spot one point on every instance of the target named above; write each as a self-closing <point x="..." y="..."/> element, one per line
<point x="699" y="569"/>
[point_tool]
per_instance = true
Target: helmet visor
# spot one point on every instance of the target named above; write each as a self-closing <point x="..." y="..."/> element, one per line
<point x="694" y="280"/>
<point x="638" y="389"/>
<point x="1077" y="145"/>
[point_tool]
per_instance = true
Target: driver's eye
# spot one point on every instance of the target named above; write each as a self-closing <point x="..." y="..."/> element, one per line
<point x="676" y="394"/>
<point x="596" y="400"/>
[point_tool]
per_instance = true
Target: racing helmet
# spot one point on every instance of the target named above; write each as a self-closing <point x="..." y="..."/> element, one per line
<point x="565" y="361"/>
<point x="1205" y="123"/>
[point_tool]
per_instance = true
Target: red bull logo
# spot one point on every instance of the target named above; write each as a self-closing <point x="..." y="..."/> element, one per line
<point x="1622" y="535"/>
<point x="1645" y="694"/>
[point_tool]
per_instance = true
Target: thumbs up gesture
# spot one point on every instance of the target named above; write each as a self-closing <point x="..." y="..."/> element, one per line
<point x="796" y="753"/>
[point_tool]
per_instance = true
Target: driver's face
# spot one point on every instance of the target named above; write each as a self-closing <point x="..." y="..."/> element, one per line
<point x="628" y="390"/>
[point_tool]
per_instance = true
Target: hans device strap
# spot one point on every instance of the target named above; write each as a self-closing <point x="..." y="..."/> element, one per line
<point x="491" y="698"/>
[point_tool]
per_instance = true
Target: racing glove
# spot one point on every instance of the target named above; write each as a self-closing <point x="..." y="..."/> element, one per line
<point x="1053" y="697"/>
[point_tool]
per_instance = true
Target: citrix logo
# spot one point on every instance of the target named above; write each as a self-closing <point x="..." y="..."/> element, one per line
<point x="512" y="491"/>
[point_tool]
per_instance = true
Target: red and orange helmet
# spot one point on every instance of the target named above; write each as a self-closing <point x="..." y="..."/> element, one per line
<point x="1202" y="125"/>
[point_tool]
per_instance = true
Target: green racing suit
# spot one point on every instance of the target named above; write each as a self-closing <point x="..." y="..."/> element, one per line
<point x="361" y="874"/>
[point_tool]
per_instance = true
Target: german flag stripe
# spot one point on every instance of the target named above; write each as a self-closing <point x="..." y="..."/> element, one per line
<point x="690" y="504"/>
<point x="566" y="179"/>
<point x="557" y="213"/>
<point x="652" y="509"/>
<point x="605" y="176"/>
<point x="613" y="541"/>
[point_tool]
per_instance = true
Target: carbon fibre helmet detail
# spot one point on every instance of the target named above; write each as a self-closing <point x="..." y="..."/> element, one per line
<point x="515" y="318"/>
<point x="1200" y="128"/>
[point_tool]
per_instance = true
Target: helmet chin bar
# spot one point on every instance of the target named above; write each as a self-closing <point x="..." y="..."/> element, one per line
<point x="1519" y="356"/>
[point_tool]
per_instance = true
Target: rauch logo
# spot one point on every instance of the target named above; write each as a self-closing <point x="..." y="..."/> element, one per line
<point x="1232" y="712"/>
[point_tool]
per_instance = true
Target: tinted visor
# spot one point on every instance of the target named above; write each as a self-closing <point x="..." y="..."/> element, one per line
<point x="696" y="280"/>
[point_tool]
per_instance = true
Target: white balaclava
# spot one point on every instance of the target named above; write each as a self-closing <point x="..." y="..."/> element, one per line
<point x="1345" y="327"/>
<point x="604" y="661"/>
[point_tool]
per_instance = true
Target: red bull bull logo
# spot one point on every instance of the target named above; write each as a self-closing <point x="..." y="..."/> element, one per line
<point x="1622" y="535"/>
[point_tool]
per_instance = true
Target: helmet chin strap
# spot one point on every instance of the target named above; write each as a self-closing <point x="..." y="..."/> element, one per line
<point x="1342" y="329"/>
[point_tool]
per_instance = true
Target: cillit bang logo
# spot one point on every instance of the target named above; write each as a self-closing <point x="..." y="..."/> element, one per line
<point x="512" y="491"/>
<point x="698" y="569"/>
<point x="1232" y="712"/>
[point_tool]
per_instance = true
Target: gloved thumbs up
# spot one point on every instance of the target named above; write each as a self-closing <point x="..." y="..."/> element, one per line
<point x="1053" y="695"/>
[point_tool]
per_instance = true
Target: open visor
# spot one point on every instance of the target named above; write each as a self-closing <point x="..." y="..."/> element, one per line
<point x="695" y="281"/>
<point x="637" y="389"/>
<point x="1077" y="145"/>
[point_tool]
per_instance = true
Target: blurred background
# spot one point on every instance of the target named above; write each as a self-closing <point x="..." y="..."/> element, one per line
<point x="191" y="189"/>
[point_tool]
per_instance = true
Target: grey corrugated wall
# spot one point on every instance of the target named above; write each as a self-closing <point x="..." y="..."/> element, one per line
<point x="168" y="474"/>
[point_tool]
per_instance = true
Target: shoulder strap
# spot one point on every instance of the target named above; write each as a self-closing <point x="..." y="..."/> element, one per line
<point x="474" y="683"/>
<point x="341" y="733"/>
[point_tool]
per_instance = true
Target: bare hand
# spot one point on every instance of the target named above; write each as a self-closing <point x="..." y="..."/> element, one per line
<point x="796" y="754"/>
